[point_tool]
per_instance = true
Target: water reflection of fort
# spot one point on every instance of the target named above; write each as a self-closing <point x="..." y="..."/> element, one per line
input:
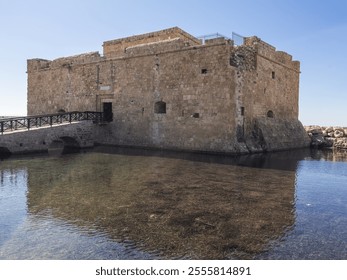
<point x="184" y="206"/>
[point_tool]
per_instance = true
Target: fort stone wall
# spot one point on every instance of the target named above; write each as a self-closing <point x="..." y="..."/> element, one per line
<point x="170" y="90"/>
<point x="194" y="88"/>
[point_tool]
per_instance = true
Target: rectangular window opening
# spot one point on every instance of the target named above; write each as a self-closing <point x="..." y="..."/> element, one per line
<point x="273" y="74"/>
<point x="204" y="71"/>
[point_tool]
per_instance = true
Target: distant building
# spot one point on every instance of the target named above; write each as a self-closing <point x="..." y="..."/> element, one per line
<point x="168" y="89"/>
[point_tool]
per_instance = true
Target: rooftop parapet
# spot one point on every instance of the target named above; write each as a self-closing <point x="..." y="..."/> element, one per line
<point x="118" y="47"/>
<point x="218" y="41"/>
<point x="155" y="47"/>
<point x="266" y="50"/>
<point x="76" y="59"/>
<point x="37" y="64"/>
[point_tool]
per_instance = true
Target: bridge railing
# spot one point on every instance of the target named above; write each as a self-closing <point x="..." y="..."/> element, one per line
<point x="29" y="122"/>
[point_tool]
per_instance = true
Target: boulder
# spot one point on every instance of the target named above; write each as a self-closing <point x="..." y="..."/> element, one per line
<point x="314" y="129"/>
<point x="329" y="129"/>
<point x="338" y="133"/>
<point x="319" y="141"/>
<point x="341" y="143"/>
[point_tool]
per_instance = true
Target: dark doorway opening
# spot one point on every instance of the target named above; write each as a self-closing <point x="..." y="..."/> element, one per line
<point x="107" y="110"/>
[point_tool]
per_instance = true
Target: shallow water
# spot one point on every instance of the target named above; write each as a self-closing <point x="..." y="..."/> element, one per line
<point x="113" y="203"/>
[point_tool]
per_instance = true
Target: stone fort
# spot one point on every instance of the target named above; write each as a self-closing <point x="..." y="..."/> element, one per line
<point x="171" y="90"/>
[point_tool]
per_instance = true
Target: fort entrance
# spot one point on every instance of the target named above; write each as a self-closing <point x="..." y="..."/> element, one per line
<point x="107" y="111"/>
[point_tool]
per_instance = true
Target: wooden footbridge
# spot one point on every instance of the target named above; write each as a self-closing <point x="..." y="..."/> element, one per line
<point x="30" y="122"/>
<point x="41" y="132"/>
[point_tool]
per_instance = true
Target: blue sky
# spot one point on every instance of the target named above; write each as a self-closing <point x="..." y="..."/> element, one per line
<point x="313" y="32"/>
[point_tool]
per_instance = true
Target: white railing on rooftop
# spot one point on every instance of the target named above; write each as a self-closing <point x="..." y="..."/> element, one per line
<point x="238" y="39"/>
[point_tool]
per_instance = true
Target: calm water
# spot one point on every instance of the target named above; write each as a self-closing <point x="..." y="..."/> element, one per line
<point x="130" y="204"/>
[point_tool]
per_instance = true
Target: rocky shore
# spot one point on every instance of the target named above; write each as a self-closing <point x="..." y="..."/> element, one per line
<point x="327" y="137"/>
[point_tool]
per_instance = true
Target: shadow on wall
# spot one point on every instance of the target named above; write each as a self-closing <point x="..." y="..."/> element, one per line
<point x="64" y="145"/>
<point x="4" y="153"/>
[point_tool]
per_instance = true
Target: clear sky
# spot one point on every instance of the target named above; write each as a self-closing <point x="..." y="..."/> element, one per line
<point x="313" y="32"/>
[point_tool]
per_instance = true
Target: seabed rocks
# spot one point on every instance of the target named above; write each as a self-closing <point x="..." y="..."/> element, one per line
<point x="327" y="137"/>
